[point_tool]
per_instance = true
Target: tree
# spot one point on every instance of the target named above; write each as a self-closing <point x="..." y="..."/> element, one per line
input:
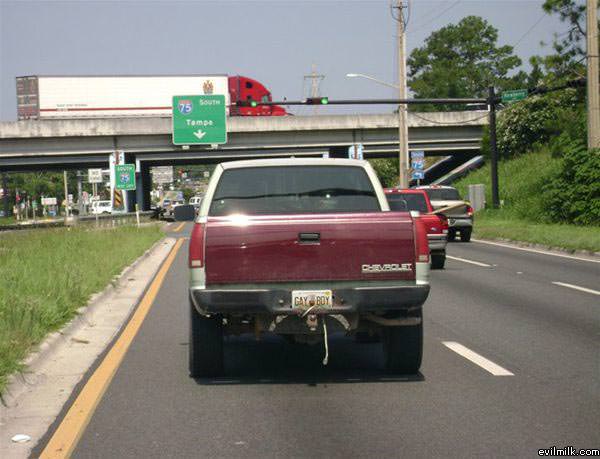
<point x="387" y="171"/>
<point x="462" y="60"/>
<point x="523" y="126"/>
<point x="571" y="43"/>
<point x="568" y="60"/>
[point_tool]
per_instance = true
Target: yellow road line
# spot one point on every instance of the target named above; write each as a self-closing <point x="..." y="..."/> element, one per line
<point x="73" y="425"/>
<point x="179" y="228"/>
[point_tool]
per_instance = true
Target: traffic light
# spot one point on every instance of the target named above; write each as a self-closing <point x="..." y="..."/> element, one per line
<point x="246" y="103"/>
<point x="317" y="100"/>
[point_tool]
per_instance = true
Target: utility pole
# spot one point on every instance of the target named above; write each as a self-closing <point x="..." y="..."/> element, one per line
<point x="66" y="201"/>
<point x="402" y="122"/>
<point x="314" y="84"/>
<point x="80" y="192"/>
<point x="5" y="195"/>
<point x="593" y="90"/>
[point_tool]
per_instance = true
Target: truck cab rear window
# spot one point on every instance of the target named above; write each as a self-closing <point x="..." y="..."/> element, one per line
<point x="443" y="194"/>
<point x="407" y="202"/>
<point x="293" y="190"/>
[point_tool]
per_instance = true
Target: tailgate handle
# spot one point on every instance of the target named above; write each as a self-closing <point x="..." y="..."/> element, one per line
<point x="309" y="238"/>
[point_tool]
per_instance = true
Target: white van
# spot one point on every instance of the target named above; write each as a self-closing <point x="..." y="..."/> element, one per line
<point x="196" y="201"/>
<point x="101" y="207"/>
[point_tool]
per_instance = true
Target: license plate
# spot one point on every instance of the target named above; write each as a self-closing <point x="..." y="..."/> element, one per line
<point x="305" y="299"/>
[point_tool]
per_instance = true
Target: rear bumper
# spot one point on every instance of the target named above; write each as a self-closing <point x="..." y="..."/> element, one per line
<point x="437" y="242"/>
<point x="460" y="222"/>
<point x="275" y="301"/>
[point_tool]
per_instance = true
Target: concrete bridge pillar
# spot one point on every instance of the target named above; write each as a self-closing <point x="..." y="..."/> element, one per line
<point x="143" y="182"/>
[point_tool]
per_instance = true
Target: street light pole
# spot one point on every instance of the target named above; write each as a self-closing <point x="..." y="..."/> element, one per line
<point x="402" y="124"/>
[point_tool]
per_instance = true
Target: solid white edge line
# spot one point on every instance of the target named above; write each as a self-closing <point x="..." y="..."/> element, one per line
<point x="478" y="263"/>
<point x="526" y="249"/>
<point x="577" y="287"/>
<point x="477" y="359"/>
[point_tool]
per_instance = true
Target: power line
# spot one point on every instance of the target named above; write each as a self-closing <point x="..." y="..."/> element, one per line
<point x="529" y="30"/>
<point x="431" y="12"/>
<point x="438" y="15"/>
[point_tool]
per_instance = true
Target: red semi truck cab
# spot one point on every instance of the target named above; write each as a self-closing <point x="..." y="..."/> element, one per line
<point x="303" y="248"/>
<point x="246" y="89"/>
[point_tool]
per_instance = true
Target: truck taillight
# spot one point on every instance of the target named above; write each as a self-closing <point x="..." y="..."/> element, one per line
<point x="470" y="211"/>
<point x="421" y="243"/>
<point x="196" y="254"/>
<point x="444" y="222"/>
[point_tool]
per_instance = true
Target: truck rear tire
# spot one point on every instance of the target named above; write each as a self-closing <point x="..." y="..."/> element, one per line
<point x="403" y="349"/>
<point x="206" y="345"/>
<point x="366" y="337"/>
<point x="451" y="235"/>
<point x="438" y="260"/>
<point x="465" y="235"/>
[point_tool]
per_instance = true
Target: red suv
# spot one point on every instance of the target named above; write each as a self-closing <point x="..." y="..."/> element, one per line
<point x="436" y="224"/>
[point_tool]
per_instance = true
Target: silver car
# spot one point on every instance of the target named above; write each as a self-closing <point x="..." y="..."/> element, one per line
<point x="459" y="213"/>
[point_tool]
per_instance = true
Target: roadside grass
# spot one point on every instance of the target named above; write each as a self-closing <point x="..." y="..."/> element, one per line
<point x="520" y="183"/>
<point x="47" y="274"/>
<point x="522" y="216"/>
<point x="493" y="225"/>
<point x="7" y="221"/>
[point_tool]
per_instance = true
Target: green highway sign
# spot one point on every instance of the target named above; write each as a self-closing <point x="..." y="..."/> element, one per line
<point x="199" y="120"/>
<point x="514" y="95"/>
<point x="125" y="177"/>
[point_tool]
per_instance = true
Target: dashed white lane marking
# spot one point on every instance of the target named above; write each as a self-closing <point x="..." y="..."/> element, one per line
<point x="543" y="252"/>
<point x="477" y="359"/>
<point x="477" y="263"/>
<point x="577" y="287"/>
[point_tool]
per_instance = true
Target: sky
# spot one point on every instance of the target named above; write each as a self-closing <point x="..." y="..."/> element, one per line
<point x="273" y="41"/>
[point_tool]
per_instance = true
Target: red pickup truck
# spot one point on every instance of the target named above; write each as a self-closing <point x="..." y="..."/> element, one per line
<point x="305" y="248"/>
<point x="415" y="200"/>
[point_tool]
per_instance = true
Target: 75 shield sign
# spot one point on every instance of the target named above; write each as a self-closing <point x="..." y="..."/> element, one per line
<point x="125" y="177"/>
<point x="185" y="106"/>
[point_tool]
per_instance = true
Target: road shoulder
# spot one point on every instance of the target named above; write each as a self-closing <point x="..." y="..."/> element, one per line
<point x="33" y="399"/>
<point x="539" y="248"/>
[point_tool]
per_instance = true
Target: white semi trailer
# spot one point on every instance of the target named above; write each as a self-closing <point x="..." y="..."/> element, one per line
<point x="41" y="97"/>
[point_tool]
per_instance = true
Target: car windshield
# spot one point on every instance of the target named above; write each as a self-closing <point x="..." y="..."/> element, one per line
<point x="443" y="194"/>
<point x="294" y="189"/>
<point x="407" y="202"/>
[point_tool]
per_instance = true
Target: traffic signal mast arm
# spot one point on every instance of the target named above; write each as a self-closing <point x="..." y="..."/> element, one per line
<point x="327" y="101"/>
<point x="580" y="82"/>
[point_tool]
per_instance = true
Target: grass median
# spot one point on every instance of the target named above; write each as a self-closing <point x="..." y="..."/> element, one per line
<point x="47" y="274"/>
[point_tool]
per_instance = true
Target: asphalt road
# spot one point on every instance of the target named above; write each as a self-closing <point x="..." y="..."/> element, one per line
<point x="277" y="400"/>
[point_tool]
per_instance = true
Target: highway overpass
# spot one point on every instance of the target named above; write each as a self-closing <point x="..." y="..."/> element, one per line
<point x="81" y="143"/>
